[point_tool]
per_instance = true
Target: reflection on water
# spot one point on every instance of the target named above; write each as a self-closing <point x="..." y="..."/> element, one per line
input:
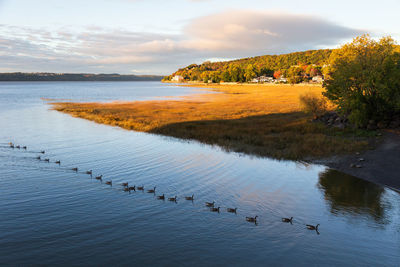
<point x="347" y="194"/>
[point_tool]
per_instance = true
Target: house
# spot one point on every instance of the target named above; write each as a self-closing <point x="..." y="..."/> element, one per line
<point x="177" y="78"/>
<point x="318" y="79"/>
<point x="263" y="79"/>
<point x="281" y="80"/>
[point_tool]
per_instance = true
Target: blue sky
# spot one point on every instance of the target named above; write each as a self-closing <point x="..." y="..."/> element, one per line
<point x="157" y="37"/>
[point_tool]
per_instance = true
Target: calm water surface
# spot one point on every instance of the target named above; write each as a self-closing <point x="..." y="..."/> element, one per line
<point x="52" y="215"/>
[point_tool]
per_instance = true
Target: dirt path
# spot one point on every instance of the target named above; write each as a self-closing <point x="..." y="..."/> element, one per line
<point x="381" y="165"/>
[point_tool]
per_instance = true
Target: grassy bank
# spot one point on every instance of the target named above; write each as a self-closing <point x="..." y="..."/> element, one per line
<point x="262" y="120"/>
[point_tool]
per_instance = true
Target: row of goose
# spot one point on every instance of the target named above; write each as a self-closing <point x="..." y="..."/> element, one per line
<point x="129" y="189"/>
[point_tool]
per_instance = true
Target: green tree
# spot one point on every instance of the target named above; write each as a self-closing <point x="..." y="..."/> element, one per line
<point x="235" y="73"/>
<point x="250" y="72"/>
<point x="225" y="76"/>
<point x="364" y="79"/>
<point x="295" y="75"/>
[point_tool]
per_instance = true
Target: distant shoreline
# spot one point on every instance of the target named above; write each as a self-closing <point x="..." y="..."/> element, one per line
<point x="74" y="77"/>
<point x="83" y="81"/>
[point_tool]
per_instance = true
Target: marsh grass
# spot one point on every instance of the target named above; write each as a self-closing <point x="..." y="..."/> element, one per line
<point x="263" y="120"/>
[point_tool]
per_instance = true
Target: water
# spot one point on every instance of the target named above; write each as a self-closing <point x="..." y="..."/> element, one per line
<point x="52" y="215"/>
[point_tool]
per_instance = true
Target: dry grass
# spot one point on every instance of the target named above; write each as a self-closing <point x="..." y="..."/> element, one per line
<point x="255" y="119"/>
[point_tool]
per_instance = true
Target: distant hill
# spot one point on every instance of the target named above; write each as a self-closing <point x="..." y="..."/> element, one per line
<point x="302" y="65"/>
<point x="41" y="76"/>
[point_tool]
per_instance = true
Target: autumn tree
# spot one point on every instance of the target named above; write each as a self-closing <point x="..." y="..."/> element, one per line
<point x="250" y="73"/>
<point x="277" y="74"/>
<point x="364" y="80"/>
<point x="295" y="74"/>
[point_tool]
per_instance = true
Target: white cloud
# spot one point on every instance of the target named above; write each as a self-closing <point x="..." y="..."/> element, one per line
<point x="230" y="34"/>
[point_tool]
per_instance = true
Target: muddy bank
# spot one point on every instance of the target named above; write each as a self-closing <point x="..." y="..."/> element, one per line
<point x="380" y="165"/>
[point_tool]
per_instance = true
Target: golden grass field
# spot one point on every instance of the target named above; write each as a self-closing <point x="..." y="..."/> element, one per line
<point x="263" y="120"/>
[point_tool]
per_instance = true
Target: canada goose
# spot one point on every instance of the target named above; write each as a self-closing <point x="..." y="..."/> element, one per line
<point x="126" y="189"/>
<point x="42" y="152"/>
<point x="140" y="188"/>
<point x="124" y="184"/>
<point x="312" y="227"/>
<point x="38" y="157"/>
<point x="99" y="177"/>
<point x="190" y="198"/>
<point x="109" y="183"/>
<point x="172" y="198"/>
<point x="24" y="147"/>
<point x="161" y="197"/>
<point x="58" y="162"/>
<point x="89" y="172"/>
<point x="47" y="160"/>
<point x="152" y="190"/>
<point x="251" y="219"/>
<point x="75" y="169"/>
<point x="18" y="147"/>
<point x="215" y="209"/>
<point x="12" y="145"/>
<point x="231" y="210"/>
<point x="210" y="204"/>
<point x="132" y="188"/>
<point x="287" y="220"/>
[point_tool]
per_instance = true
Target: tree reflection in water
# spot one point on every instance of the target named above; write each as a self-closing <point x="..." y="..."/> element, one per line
<point x="347" y="195"/>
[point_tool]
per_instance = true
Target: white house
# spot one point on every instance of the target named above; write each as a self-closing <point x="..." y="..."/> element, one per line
<point x="177" y="78"/>
<point x="318" y="79"/>
<point x="263" y="79"/>
<point x="281" y="80"/>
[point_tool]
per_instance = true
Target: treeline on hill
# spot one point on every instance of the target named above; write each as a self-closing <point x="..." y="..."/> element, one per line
<point x="20" y="76"/>
<point x="295" y="67"/>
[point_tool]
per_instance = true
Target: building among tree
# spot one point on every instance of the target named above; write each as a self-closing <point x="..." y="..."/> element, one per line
<point x="177" y="78"/>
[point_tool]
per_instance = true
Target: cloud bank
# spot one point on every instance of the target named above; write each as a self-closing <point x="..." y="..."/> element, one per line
<point x="230" y="34"/>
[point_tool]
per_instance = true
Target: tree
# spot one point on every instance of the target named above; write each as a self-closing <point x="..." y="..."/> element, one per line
<point x="364" y="80"/>
<point x="225" y="76"/>
<point x="295" y="75"/>
<point x="277" y="74"/>
<point x="235" y="73"/>
<point x="250" y="73"/>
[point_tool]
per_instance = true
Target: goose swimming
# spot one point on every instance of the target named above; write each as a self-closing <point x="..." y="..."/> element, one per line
<point x="172" y="198"/>
<point x="312" y="227"/>
<point x="152" y="190"/>
<point x="210" y="204"/>
<point x="251" y="219"/>
<point x="190" y="198"/>
<point x="231" y="210"/>
<point x="215" y="209"/>
<point x="287" y="220"/>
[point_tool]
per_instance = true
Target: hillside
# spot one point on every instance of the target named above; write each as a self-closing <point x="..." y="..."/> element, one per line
<point x="297" y="66"/>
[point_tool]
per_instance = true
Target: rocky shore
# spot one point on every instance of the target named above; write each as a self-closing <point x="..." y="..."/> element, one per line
<point x="333" y="119"/>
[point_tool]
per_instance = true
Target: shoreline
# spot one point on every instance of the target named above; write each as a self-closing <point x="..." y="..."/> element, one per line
<point x="380" y="165"/>
<point x="256" y="120"/>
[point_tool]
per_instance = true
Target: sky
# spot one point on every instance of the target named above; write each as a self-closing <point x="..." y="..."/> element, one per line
<point x="159" y="36"/>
